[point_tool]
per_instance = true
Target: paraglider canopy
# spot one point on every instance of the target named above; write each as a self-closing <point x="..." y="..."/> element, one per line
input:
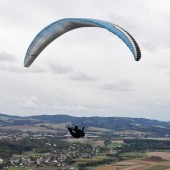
<point x="56" y="29"/>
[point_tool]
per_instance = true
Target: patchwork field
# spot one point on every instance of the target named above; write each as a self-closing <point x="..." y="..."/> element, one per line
<point x="142" y="164"/>
<point x="107" y="167"/>
<point x="130" y="165"/>
<point x="47" y="127"/>
<point x="163" y="155"/>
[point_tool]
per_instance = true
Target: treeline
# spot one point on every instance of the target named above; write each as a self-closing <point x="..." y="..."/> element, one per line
<point x="83" y="166"/>
<point x="133" y="145"/>
<point x="10" y="147"/>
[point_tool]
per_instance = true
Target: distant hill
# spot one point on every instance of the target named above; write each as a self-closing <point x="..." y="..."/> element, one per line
<point x="111" y="123"/>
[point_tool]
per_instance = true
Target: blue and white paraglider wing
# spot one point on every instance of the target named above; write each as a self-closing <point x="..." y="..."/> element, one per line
<point x="56" y="29"/>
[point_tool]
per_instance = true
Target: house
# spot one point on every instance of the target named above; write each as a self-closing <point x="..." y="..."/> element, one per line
<point x="1" y="161"/>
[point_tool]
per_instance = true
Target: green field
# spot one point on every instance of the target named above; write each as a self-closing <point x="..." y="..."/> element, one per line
<point x="132" y="155"/>
<point x="15" y="168"/>
<point x="114" y="145"/>
<point x="37" y="168"/>
<point x="27" y="154"/>
<point x="159" y="168"/>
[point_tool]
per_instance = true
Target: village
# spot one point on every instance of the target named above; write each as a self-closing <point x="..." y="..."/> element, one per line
<point x="42" y="149"/>
<point x="61" y="159"/>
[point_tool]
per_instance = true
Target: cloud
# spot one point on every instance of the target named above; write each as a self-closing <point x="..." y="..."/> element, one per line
<point x="119" y="86"/>
<point x="59" y="69"/>
<point x="80" y="76"/>
<point x="11" y="68"/>
<point x="76" y="107"/>
<point x="161" y="103"/>
<point x="5" y="57"/>
<point x="153" y="17"/>
<point x="150" y="46"/>
<point x="149" y="26"/>
<point x="29" y="103"/>
<point x="36" y="69"/>
<point x="2" y="99"/>
<point x="165" y="66"/>
<point x="20" y="69"/>
<point x="168" y="73"/>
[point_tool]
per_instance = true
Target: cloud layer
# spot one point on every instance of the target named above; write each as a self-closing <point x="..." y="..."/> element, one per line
<point x="86" y="71"/>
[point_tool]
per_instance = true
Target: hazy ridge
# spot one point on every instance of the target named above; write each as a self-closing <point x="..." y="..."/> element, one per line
<point x="111" y="123"/>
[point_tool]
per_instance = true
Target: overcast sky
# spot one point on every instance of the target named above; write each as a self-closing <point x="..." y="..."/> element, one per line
<point x="87" y="71"/>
